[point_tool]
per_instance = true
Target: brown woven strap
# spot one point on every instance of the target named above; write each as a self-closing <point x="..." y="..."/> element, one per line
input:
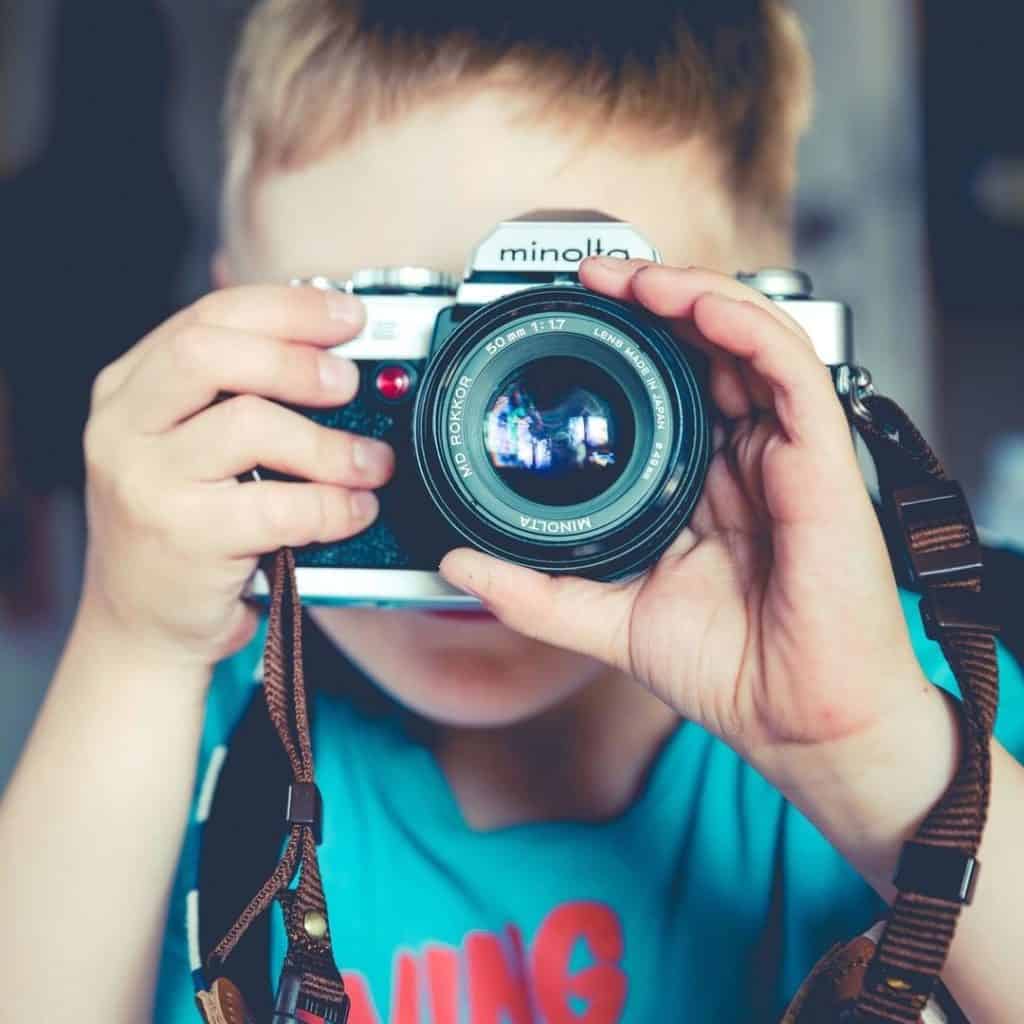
<point x="938" y="868"/>
<point x="309" y="962"/>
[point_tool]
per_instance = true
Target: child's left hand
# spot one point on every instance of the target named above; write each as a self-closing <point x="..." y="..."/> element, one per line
<point x="774" y="619"/>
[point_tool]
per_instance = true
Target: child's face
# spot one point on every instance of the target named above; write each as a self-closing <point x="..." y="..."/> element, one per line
<point x="423" y="189"/>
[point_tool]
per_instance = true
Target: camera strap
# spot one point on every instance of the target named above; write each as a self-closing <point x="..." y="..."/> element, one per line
<point x="929" y="526"/>
<point x="310" y="989"/>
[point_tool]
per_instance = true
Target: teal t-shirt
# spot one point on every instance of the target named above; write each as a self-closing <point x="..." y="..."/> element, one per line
<point x="708" y="900"/>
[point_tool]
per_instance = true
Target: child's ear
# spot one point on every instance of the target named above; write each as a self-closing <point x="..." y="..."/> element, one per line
<point x="220" y="270"/>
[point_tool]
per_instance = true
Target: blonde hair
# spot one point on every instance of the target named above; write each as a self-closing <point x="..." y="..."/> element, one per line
<point x="311" y="74"/>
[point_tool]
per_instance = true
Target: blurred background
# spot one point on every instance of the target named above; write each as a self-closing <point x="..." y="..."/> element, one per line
<point x="911" y="209"/>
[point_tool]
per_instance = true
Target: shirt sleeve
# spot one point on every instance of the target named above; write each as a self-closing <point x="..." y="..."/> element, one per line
<point x="231" y="690"/>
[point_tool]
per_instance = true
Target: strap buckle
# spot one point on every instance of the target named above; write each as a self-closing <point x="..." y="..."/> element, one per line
<point x="933" y="505"/>
<point x="305" y="807"/>
<point x="293" y="1006"/>
<point x="941" y="872"/>
<point x="958" y="610"/>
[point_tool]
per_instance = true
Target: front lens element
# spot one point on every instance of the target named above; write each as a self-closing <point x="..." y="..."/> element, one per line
<point x="559" y="431"/>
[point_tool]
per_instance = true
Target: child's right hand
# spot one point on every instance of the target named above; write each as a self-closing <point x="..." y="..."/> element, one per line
<point x="173" y="536"/>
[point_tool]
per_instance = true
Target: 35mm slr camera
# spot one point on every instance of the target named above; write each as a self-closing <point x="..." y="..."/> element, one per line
<point x="532" y="419"/>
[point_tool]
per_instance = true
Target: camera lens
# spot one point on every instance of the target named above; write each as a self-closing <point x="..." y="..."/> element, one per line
<point x="559" y="431"/>
<point x="565" y="431"/>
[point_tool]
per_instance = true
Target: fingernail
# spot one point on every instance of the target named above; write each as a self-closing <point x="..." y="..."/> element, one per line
<point x="454" y="563"/>
<point x="345" y="308"/>
<point x="613" y="263"/>
<point x="371" y="457"/>
<point x="338" y="374"/>
<point x="472" y="591"/>
<point x="363" y="505"/>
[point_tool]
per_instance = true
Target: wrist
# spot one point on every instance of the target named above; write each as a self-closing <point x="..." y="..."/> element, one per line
<point x="869" y="793"/>
<point x="127" y="651"/>
<point x="188" y="628"/>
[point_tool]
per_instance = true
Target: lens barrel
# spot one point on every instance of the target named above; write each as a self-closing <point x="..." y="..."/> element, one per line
<point x="565" y="431"/>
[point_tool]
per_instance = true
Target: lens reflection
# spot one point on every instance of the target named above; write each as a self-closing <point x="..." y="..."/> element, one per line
<point x="559" y="431"/>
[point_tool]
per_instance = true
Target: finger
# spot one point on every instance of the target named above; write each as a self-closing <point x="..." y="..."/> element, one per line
<point x="311" y="315"/>
<point x="802" y="396"/>
<point x="740" y="321"/>
<point x="314" y="315"/>
<point x="241" y="433"/>
<point x="259" y="517"/>
<point x="177" y="379"/>
<point x="757" y="389"/>
<point x="670" y="291"/>
<point x="610" y="276"/>
<point x="576" y="614"/>
<point x="735" y="391"/>
<point x="728" y="386"/>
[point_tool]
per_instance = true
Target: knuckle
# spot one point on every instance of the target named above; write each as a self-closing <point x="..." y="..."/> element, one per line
<point x="191" y="349"/>
<point x="315" y="514"/>
<point x="327" y="516"/>
<point x="294" y="368"/>
<point x="243" y="429"/>
<point x="103" y="384"/>
<point x="213" y="307"/>
<point x="311" y="448"/>
<point x="280" y="360"/>
<point x="95" y="445"/>
<point x="281" y="367"/>
<point x="282" y="511"/>
<point x="133" y="498"/>
<point x="242" y="416"/>
<point x="329" y="450"/>
<point x="240" y="419"/>
<point x="320" y="519"/>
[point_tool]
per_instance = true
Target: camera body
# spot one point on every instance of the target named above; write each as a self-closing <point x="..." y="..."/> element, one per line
<point x="530" y="417"/>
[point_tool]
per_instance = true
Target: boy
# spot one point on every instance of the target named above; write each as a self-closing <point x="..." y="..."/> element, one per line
<point x="601" y="824"/>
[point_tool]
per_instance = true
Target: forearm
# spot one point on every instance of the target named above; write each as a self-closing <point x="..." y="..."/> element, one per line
<point x="90" y="830"/>
<point x="869" y="796"/>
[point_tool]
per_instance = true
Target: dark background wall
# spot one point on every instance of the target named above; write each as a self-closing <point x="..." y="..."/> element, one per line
<point x="974" y="141"/>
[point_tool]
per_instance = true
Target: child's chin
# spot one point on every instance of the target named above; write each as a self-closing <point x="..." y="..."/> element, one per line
<point x="462" y="672"/>
<point x="480" y="690"/>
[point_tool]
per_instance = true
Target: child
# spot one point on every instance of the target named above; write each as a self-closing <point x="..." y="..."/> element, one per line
<point x="598" y="820"/>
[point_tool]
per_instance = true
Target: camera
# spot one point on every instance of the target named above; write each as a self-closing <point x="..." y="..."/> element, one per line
<point x="531" y="418"/>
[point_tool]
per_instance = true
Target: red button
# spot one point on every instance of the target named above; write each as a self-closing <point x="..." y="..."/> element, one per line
<point x="393" y="382"/>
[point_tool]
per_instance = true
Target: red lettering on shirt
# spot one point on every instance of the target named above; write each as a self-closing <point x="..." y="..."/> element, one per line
<point x="602" y="986"/>
<point x="498" y="992"/>
<point x="362" y="1011"/>
<point x="442" y="964"/>
<point x="501" y="984"/>
<point x="405" y="1007"/>
<point x="405" y="994"/>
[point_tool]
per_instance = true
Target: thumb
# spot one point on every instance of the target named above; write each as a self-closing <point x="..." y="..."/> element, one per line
<point x="566" y="611"/>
